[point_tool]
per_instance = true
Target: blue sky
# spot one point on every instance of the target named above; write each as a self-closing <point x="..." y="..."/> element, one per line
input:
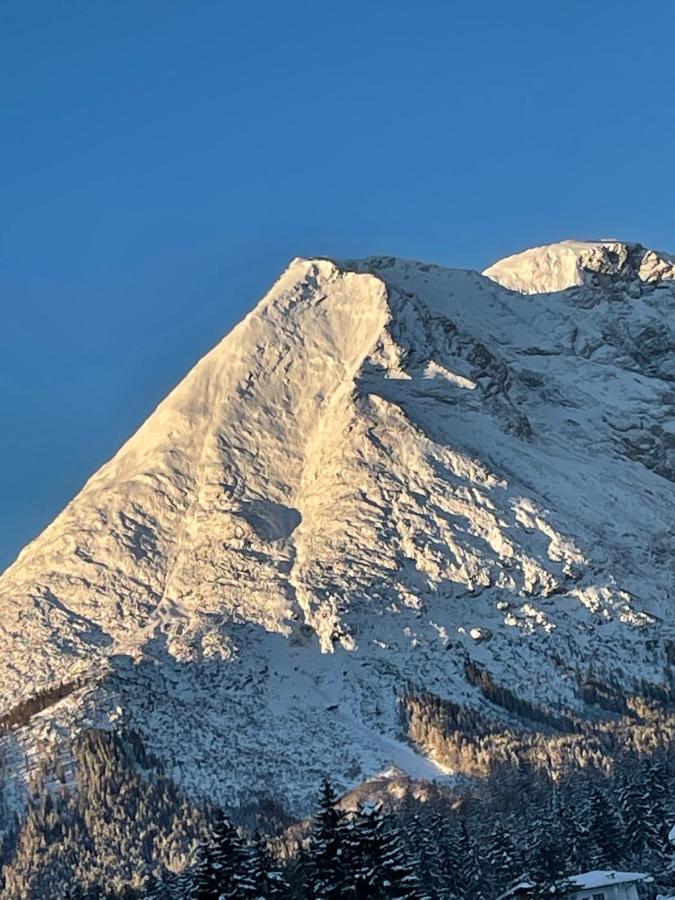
<point x="161" y="161"/>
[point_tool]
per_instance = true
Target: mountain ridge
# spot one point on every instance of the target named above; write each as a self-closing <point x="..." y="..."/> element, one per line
<point x="386" y="469"/>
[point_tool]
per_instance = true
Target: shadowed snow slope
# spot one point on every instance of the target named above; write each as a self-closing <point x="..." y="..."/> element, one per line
<point x="386" y="469"/>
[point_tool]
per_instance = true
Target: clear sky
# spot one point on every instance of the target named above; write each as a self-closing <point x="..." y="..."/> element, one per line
<point x="161" y="161"/>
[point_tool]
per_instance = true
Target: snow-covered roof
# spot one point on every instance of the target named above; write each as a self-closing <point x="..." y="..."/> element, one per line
<point x="583" y="882"/>
<point x="604" y="878"/>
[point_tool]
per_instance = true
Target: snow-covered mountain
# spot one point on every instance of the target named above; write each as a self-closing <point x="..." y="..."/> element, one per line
<point x="387" y="468"/>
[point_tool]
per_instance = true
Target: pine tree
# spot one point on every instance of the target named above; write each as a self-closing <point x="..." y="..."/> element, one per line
<point x="379" y="864"/>
<point x="424" y="841"/>
<point x="328" y="846"/>
<point x="629" y="801"/>
<point x="263" y="874"/>
<point x="447" y="839"/>
<point x="502" y="857"/>
<point x="469" y="879"/>
<point x="655" y="799"/>
<point x="606" y="830"/>
<point x="221" y="867"/>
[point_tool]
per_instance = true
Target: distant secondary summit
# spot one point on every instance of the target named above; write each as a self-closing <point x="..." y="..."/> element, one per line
<point x="573" y="263"/>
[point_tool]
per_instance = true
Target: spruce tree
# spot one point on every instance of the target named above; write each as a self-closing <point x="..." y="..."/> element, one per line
<point x="470" y="882"/>
<point x="502" y="857"/>
<point x="152" y="889"/>
<point x="450" y="842"/>
<point x="380" y="868"/>
<point x="634" y="827"/>
<point x="221" y="864"/>
<point x="655" y="803"/>
<point x="424" y="837"/>
<point x="328" y="846"/>
<point x="606" y="830"/>
<point x="300" y="873"/>
<point x="183" y="886"/>
<point x="582" y="841"/>
<point x="264" y="876"/>
<point x="551" y="847"/>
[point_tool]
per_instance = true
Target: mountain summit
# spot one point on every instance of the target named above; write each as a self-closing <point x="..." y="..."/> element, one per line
<point x="388" y="475"/>
<point x="556" y="267"/>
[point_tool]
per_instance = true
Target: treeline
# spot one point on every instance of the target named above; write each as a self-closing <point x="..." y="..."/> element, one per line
<point x="540" y="800"/>
<point x="113" y="825"/>
<point x="507" y="730"/>
<point x="358" y="854"/>
<point x="440" y="848"/>
<point x="125" y="835"/>
<point x="23" y="712"/>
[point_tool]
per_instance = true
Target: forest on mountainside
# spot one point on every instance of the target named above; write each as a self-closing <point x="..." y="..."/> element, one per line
<point x="530" y="805"/>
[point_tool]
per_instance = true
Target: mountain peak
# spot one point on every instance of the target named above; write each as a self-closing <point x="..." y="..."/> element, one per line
<point x="386" y="471"/>
<point x="574" y="263"/>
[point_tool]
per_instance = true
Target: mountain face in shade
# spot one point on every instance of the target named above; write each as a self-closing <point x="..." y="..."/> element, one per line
<point x="386" y="470"/>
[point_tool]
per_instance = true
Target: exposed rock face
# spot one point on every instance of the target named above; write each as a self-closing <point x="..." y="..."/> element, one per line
<point x="386" y="469"/>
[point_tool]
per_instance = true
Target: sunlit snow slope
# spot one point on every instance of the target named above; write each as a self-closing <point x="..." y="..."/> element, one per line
<point x="387" y="468"/>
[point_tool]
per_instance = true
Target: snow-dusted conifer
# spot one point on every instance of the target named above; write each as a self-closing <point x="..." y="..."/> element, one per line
<point x="221" y="870"/>
<point x="502" y="858"/>
<point x="606" y="829"/>
<point x="469" y="879"/>
<point x="264" y="878"/>
<point x="329" y="846"/>
<point x="380" y="868"/>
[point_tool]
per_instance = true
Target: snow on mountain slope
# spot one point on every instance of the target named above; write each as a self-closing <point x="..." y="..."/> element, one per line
<point x="555" y="267"/>
<point x="387" y="468"/>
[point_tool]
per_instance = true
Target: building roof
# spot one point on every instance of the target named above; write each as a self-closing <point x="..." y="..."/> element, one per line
<point x="603" y="878"/>
<point x="585" y="881"/>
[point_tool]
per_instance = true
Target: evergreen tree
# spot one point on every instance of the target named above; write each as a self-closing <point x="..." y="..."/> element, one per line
<point x="545" y="863"/>
<point x="582" y="843"/>
<point x="221" y="868"/>
<point x="183" y="886"/>
<point x="634" y="827"/>
<point x="91" y="892"/>
<point x="606" y="829"/>
<point x="502" y="857"/>
<point x="380" y="867"/>
<point x="263" y="874"/>
<point x="655" y="800"/>
<point x="152" y="889"/>
<point x="328" y="847"/>
<point x="551" y="848"/>
<point x="300" y="873"/>
<point x="448" y="844"/>
<point x="424" y="839"/>
<point x="469" y="878"/>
